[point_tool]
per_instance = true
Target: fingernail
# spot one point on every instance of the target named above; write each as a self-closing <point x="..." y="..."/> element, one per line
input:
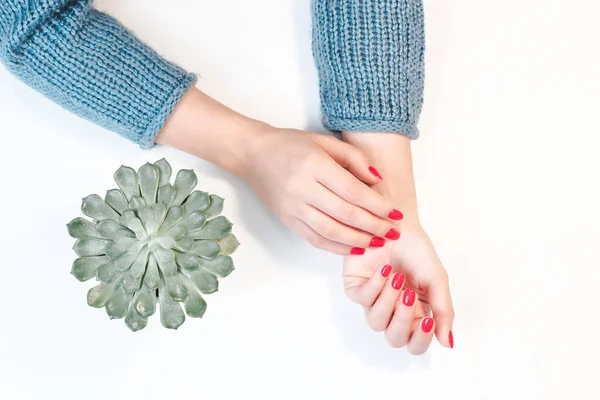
<point x="377" y="242"/>
<point x="357" y="251"/>
<point x="451" y="339"/>
<point x="398" y="280"/>
<point x="385" y="271"/>
<point x="375" y="172"/>
<point x="409" y="297"/>
<point x="392" y="234"/>
<point x="395" y="214"/>
<point x="427" y="325"/>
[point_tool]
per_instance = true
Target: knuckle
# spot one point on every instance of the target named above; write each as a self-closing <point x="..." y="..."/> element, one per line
<point x="416" y="351"/>
<point x="315" y="240"/>
<point x="347" y="213"/>
<point x="328" y="230"/>
<point x="395" y="341"/>
<point x="376" y="324"/>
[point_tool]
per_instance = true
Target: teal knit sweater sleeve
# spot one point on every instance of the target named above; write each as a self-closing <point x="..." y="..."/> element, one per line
<point x="370" y="56"/>
<point x="90" y="64"/>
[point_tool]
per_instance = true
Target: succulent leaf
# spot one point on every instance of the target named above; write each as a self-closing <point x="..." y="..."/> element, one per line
<point x="208" y="249"/>
<point x="165" y="171"/>
<point x="187" y="260"/>
<point x="171" y="314"/>
<point x="228" y="244"/>
<point x="197" y="201"/>
<point x="220" y="266"/>
<point x="205" y="281"/>
<point x="85" y="268"/>
<point x="174" y="215"/>
<point x="99" y="295"/>
<point x="216" y="206"/>
<point x="126" y="179"/>
<point x="81" y="228"/>
<point x="145" y="304"/>
<point x="116" y="199"/>
<point x="152" y="278"/>
<point x="152" y="242"/>
<point x="107" y="272"/>
<point x="175" y="288"/>
<point x="134" y="321"/>
<point x="149" y="177"/>
<point x="117" y="305"/>
<point x="194" y="303"/>
<point x="166" y="195"/>
<point x="185" y="181"/>
<point x="216" y="228"/>
<point x="89" y="247"/>
<point x="95" y="207"/>
<point x="111" y="230"/>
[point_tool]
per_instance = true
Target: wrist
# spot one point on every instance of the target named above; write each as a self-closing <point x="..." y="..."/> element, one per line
<point x="391" y="155"/>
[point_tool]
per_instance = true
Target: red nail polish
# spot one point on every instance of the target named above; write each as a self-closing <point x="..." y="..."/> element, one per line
<point x="375" y="172"/>
<point x="395" y="214"/>
<point x="392" y="234"/>
<point x="398" y="280"/>
<point x="377" y="242"/>
<point x="409" y="297"/>
<point x="357" y="251"/>
<point x="385" y="271"/>
<point x="451" y="339"/>
<point x="427" y="325"/>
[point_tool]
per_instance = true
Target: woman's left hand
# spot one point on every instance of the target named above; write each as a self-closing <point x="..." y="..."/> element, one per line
<point x="404" y="290"/>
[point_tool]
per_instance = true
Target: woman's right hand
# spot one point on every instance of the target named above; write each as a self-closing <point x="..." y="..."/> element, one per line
<point x="317" y="185"/>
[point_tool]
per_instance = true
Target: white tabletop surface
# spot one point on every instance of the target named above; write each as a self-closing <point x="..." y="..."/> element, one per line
<point x="508" y="177"/>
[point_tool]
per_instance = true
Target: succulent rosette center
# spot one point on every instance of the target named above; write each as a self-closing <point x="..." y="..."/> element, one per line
<point x="149" y="242"/>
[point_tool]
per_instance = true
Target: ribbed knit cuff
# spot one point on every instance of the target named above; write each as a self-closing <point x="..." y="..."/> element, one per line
<point x="370" y="58"/>
<point x="90" y="64"/>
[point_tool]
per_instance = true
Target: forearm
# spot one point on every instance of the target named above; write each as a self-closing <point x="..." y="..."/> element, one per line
<point x="207" y="129"/>
<point x="391" y="155"/>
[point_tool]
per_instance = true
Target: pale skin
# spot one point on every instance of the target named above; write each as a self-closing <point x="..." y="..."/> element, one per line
<point x="324" y="190"/>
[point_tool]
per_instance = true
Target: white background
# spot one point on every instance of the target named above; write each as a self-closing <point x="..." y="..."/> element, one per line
<point x="508" y="176"/>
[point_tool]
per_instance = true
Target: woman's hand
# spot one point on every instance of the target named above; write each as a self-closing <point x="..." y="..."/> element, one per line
<point x="314" y="183"/>
<point x="404" y="290"/>
<point x="403" y="287"/>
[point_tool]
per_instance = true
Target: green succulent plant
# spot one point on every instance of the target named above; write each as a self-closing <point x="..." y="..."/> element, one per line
<point x="152" y="242"/>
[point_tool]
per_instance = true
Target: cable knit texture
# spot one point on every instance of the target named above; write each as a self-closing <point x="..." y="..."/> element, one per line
<point x="90" y="64"/>
<point x="370" y="57"/>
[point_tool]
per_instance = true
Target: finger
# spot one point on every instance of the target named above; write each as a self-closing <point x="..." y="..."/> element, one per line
<point x="346" y="186"/>
<point x="354" y="216"/>
<point x="318" y="241"/>
<point x="379" y="316"/>
<point x="367" y="293"/>
<point x="351" y="158"/>
<point x="334" y="230"/>
<point x="421" y="337"/>
<point x="399" y="329"/>
<point x="440" y="301"/>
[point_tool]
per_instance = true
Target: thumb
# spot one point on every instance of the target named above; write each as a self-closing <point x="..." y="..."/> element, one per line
<point x="351" y="158"/>
<point x="443" y="310"/>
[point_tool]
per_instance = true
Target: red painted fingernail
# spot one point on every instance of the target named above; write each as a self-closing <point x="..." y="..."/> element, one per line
<point x="377" y="242"/>
<point x="427" y="325"/>
<point x="392" y="234"/>
<point x="385" y="271"/>
<point x="409" y="297"/>
<point x="398" y="280"/>
<point x="395" y="214"/>
<point x="375" y="172"/>
<point x="357" y="251"/>
<point x="451" y="339"/>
